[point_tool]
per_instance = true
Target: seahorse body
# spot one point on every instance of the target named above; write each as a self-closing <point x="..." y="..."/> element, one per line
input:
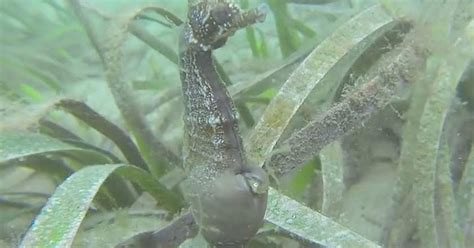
<point x="221" y="186"/>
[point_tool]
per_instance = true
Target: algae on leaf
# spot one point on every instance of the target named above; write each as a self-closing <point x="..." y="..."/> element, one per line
<point x="20" y="144"/>
<point x="306" y="224"/>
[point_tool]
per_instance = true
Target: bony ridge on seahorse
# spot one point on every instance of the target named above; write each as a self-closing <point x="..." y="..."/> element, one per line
<point x="228" y="196"/>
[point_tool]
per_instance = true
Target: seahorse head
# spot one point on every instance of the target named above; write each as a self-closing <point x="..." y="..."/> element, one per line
<point x="210" y="23"/>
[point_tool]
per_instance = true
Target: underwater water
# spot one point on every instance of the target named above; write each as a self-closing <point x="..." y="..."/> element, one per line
<point x="145" y="123"/>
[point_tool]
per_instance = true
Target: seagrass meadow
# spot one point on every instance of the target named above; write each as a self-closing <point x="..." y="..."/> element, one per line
<point x="219" y="123"/>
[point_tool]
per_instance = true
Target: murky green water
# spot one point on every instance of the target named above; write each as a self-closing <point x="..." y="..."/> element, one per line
<point x="361" y="111"/>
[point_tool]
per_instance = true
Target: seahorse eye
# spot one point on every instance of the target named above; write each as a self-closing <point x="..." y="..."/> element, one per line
<point x="257" y="180"/>
<point x="220" y="14"/>
<point x="224" y="13"/>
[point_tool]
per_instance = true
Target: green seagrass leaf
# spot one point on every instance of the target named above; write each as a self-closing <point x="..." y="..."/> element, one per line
<point x="17" y="145"/>
<point x="309" y="225"/>
<point x="334" y="56"/>
<point x="60" y="218"/>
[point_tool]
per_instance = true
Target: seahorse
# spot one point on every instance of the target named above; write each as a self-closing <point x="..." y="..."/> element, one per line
<point x="228" y="195"/>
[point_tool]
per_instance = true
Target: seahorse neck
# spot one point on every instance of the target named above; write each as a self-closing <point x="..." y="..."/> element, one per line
<point x="209" y="111"/>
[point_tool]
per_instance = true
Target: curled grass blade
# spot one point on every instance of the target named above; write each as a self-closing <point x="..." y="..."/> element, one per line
<point x="166" y="199"/>
<point x="171" y="235"/>
<point x="54" y="168"/>
<point x="438" y="226"/>
<point x="28" y="149"/>
<point x="332" y="169"/>
<point x="19" y="145"/>
<point x="406" y="163"/>
<point x="465" y="195"/>
<point x="156" y="154"/>
<point x="449" y="227"/>
<point x="59" y="220"/>
<point x="59" y="132"/>
<point x="86" y="114"/>
<point x="55" y="130"/>
<point x="431" y="166"/>
<point x="310" y="226"/>
<point x="155" y="43"/>
<point x="356" y="33"/>
<point x="118" y="226"/>
<point x="394" y="70"/>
